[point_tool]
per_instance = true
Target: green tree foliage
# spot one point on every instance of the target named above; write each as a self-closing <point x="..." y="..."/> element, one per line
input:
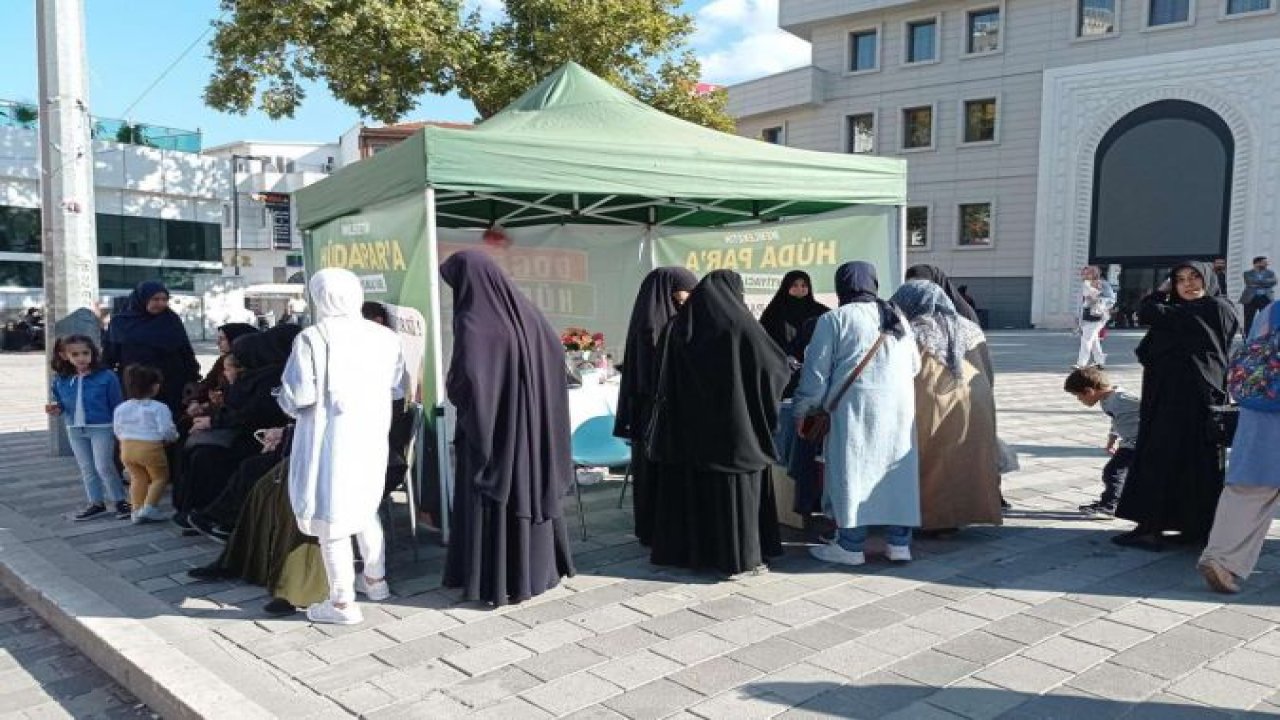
<point x="379" y="56"/>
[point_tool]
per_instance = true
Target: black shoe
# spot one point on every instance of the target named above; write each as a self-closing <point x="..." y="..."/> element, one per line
<point x="124" y="510"/>
<point x="210" y="572"/>
<point x="206" y="526"/>
<point x="1004" y="504"/>
<point x="279" y="607"/>
<point x="90" y="512"/>
<point x="1141" y="541"/>
<point x="1099" y="510"/>
<point x="183" y="521"/>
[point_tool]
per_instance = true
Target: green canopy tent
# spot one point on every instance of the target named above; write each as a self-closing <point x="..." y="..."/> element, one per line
<point x="573" y="150"/>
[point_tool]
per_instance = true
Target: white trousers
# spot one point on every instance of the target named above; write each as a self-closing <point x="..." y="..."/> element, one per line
<point x="340" y="560"/>
<point x="1091" y="344"/>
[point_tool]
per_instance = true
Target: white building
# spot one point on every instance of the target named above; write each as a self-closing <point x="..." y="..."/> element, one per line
<point x="269" y="246"/>
<point x="1042" y="135"/>
<point x="159" y="214"/>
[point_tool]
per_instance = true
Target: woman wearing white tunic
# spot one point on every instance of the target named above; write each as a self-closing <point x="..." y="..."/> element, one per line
<point x="339" y="382"/>
<point x="872" y="467"/>
<point x="1096" y="300"/>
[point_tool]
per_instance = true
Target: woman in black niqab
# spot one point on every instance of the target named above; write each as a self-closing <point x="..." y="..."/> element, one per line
<point x="935" y="275"/>
<point x="785" y="315"/>
<point x="514" y="459"/>
<point x="720" y="384"/>
<point x="656" y="305"/>
<point x="1175" y="479"/>
<point x="138" y="336"/>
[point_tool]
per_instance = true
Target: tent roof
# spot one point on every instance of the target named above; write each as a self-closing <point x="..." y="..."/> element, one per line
<point x="576" y="149"/>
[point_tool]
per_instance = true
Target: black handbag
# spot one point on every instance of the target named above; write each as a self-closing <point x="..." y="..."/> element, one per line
<point x="1223" y="420"/>
<point x="1088" y="315"/>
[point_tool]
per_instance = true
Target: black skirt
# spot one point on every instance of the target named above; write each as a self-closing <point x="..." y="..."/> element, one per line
<point x="706" y="520"/>
<point x="498" y="558"/>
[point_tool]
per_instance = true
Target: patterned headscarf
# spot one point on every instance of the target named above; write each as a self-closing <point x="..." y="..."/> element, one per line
<point x="939" y="328"/>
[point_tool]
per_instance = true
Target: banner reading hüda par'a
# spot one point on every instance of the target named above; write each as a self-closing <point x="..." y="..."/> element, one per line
<point x="764" y="253"/>
<point x="384" y="246"/>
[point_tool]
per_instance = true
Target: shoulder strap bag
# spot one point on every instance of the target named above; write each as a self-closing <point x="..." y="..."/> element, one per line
<point x="817" y="423"/>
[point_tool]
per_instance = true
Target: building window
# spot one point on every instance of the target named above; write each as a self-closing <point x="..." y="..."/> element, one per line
<point x="917" y="128"/>
<point x="982" y="31"/>
<point x="864" y="55"/>
<point x="1168" y="12"/>
<point x="922" y="41"/>
<point x="1244" y="7"/>
<point x="979" y="120"/>
<point x="975" y="225"/>
<point x="774" y="135"/>
<point x="918" y="228"/>
<point x="1096" y="18"/>
<point x="860" y="133"/>
<point x="19" y="230"/>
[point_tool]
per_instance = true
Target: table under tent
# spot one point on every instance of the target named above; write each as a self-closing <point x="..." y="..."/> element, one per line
<point x="578" y="190"/>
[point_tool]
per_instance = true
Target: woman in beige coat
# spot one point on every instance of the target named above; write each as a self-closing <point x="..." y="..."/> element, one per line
<point x="955" y="413"/>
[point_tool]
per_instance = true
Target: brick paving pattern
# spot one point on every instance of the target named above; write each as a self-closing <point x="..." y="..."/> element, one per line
<point x="1040" y="618"/>
<point x="42" y="677"/>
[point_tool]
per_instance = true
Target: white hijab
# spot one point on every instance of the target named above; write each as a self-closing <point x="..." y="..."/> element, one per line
<point x="336" y="295"/>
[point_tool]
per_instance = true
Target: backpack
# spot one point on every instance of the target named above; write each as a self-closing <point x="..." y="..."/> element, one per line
<point x="1253" y="377"/>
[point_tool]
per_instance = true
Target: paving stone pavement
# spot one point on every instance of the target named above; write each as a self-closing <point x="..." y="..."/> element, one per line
<point x="1040" y="618"/>
<point x="42" y="677"/>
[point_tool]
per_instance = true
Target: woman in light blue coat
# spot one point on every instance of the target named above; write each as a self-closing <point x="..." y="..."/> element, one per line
<point x="872" y="467"/>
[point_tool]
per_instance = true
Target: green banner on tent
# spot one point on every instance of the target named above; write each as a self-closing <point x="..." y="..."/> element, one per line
<point x="762" y="254"/>
<point x="383" y="245"/>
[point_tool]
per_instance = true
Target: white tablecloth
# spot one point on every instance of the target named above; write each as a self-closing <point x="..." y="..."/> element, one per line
<point x="592" y="399"/>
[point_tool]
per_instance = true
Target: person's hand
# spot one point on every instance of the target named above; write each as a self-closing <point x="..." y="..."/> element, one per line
<point x="216" y="398"/>
<point x="271" y="439"/>
<point x="201" y="423"/>
<point x="793" y="363"/>
<point x="52" y="409"/>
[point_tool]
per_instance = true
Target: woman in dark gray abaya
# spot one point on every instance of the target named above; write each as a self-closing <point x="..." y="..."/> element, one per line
<point x="514" y="461"/>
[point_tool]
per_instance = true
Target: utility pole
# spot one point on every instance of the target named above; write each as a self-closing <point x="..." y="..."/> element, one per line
<point x="67" y="209"/>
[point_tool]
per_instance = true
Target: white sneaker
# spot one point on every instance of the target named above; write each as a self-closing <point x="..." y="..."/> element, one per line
<point x="326" y="612"/>
<point x="373" y="589"/>
<point x="150" y="513"/>
<point x="836" y="554"/>
<point x="899" y="553"/>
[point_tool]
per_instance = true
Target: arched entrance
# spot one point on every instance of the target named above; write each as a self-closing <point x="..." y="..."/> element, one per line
<point x="1161" y="193"/>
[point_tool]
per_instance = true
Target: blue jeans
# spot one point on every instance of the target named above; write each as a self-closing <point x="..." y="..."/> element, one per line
<point x="95" y="451"/>
<point x="852" y="539"/>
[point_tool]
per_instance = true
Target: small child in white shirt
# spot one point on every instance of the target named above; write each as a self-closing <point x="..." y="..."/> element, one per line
<point x="144" y="426"/>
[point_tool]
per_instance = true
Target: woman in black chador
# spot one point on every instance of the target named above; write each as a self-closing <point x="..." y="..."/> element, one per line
<point x="791" y="307"/>
<point x="722" y="379"/>
<point x="661" y="294"/>
<point x="514" y="463"/>
<point x="1175" y="479"/>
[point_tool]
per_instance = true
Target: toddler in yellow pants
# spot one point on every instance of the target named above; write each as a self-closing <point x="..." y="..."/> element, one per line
<point x="144" y="426"/>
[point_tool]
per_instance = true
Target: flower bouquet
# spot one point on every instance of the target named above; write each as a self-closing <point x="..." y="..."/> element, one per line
<point x="577" y="339"/>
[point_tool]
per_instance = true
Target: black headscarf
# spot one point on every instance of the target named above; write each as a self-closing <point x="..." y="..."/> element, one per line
<point x="234" y="331"/>
<point x="135" y="326"/>
<point x="857" y="282"/>
<point x="934" y="274"/>
<point x="507" y="379"/>
<point x="722" y="379"/>
<point x="785" y="314"/>
<point x="1198" y="332"/>
<point x="655" y="307"/>
<point x="262" y="357"/>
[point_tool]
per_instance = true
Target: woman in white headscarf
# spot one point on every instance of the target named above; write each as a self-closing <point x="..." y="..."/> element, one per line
<point x="339" y="382"/>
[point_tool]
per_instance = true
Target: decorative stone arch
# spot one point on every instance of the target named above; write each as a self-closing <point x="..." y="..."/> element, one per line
<point x="1086" y="151"/>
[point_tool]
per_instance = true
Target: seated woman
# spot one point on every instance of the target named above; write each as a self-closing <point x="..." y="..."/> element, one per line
<point x="955" y="413"/>
<point x="266" y="548"/>
<point x="220" y="442"/>
<point x="203" y="398"/>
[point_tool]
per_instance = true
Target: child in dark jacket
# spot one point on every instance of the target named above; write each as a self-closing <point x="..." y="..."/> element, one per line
<point x="86" y="395"/>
